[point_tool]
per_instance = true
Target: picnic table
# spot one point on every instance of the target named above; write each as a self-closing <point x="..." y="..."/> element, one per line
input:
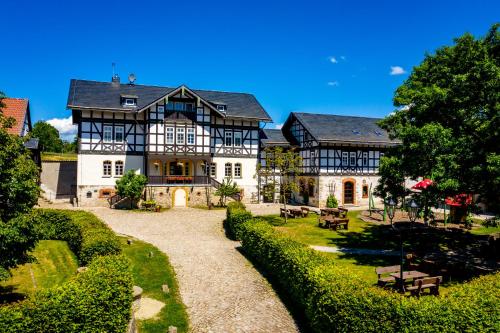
<point x="408" y="275"/>
<point x="295" y="212"/>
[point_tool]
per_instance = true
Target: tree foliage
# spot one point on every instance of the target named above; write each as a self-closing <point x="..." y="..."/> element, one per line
<point x="131" y="185"/>
<point x="48" y="136"/>
<point x="226" y="189"/>
<point x="287" y="164"/>
<point x="448" y="121"/>
<point x="18" y="173"/>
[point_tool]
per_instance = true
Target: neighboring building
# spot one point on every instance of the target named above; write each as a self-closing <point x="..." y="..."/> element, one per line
<point x="185" y="141"/>
<point x="19" y="109"/>
<point x="340" y="155"/>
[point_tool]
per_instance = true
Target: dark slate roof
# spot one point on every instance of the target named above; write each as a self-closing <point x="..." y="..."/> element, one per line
<point x="32" y="143"/>
<point x="106" y="95"/>
<point x="273" y="137"/>
<point x="344" y="129"/>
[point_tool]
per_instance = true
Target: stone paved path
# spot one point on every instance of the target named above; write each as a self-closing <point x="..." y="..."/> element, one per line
<point x="222" y="290"/>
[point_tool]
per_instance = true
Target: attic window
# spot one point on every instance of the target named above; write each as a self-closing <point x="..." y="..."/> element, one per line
<point x="221" y="107"/>
<point x="129" y="102"/>
<point x="356" y="132"/>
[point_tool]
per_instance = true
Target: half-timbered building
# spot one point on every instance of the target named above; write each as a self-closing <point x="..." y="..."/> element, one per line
<point x="183" y="140"/>
<point x="340" y="155"/>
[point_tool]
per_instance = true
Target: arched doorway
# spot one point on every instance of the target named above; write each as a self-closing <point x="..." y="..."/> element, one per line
<point x="180" y="197"/>
<point x="348" y="193"/>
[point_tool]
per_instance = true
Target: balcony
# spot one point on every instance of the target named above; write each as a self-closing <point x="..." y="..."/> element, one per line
<point x="179" y="180"/>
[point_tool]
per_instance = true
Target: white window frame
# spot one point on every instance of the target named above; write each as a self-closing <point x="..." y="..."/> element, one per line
<point x="107" y="133"/>
<point x="122" y="130"/>
<point x="352" y="155"/>
<point x="190" y="135"/>
<point x="169" y="135"/>
<point x="221" y="108"/>
<point x="213" y="170"/>
<point x="180" y="136"/>
<point x="226" y="173"/>
<point x="119" y="168"/>
<point x="129" y="102"/>
<point x="228" y="136"/>
<point x="238" y="170"/>
<point x="345" y="158"/>
<point x="238" y="135"/>
<point x="106" y="168"/>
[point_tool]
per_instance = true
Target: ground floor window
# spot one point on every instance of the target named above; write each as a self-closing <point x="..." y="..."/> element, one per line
<point x="365" y="191"/>
<point x="237" y="170"/>
<point x="228" y="170"/>
<point x="119" y="168"/>
<point x="106" y="168"/>
<point x="213" y="170"/>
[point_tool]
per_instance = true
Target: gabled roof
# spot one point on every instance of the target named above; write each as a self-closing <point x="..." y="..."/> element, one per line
<point x="84" y="94"/>
<point x="273" y="137"/>
<point x="17" y="108"/>
<point x="329" y="128"/>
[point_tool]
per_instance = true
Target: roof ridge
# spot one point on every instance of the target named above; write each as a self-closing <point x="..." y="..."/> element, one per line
<point x="334" y="115"/>
<point x="17" y="98"/>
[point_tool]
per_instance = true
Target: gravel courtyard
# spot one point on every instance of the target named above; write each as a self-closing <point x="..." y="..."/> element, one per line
<point x="220" y="287"/>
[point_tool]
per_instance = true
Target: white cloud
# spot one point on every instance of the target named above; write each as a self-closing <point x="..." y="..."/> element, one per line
<point x="342" y="57"/>
<point x="65" y="127"/>
<point x="333" y="83"/>
<point x="333" y="60"/>
<point x="278" y="126"/>
<point x="397" y="70"/>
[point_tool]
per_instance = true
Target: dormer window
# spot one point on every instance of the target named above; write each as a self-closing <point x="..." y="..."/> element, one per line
<point x="221" y="108"/>
<point x="129" y="100"/>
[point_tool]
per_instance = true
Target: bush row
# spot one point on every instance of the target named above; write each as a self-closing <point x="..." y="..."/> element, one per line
<point x="335" y="299"/>
<point x="87" y="236"/>
<point x="236" y="214"/>
<point x="97" y="300"/>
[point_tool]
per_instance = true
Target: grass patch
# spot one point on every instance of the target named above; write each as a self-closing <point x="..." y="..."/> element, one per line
<point x="55" y="264"/>
<point x="150" y="273"/>
<point x="46" y="156"/>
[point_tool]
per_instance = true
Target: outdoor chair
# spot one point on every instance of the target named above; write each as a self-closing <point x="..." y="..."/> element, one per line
<point x="430" y="283"/>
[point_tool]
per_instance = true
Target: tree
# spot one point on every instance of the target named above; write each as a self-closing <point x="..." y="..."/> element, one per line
<point x="70" y="146"/>
<point x="18" y="173"/>
<point x="226" y="189"/>
<point x="287" y="164"/>
<point x="447" y="121"/>
<point x="48" y="136"/>
<point x="18" y="194"/>
<point x="131" y="185"/>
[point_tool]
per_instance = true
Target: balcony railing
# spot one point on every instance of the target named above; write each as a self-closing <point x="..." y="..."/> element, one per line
<point x="179" y="180"/>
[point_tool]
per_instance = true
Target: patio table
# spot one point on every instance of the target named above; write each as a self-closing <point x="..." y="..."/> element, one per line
<point x="295" y="212"/>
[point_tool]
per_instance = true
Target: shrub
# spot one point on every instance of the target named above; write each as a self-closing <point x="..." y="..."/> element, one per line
<point x="87" y="236"/>
<point x="335" y="299"/>
<point x="331" y="201"/>
<point x="97" y="300"/>
<point x="236" y="214"/>
<point x="131" y="185"/>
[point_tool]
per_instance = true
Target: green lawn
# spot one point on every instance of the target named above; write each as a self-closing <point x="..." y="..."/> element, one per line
<point x="55" y="264"/>
<point x="150" y="273"/>
<point x="46" y="156"/>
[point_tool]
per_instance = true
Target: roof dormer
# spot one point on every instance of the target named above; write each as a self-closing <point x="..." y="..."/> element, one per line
<point x="128" y="100"/>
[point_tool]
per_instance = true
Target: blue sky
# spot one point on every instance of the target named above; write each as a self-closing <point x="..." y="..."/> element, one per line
<point x="311" y="56"/>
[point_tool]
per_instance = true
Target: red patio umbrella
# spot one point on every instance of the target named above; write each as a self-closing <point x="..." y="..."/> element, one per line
<point x="423" y="184"/>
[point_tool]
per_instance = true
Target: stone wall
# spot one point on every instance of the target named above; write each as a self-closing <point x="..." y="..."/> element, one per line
<point x="59" y="179"/>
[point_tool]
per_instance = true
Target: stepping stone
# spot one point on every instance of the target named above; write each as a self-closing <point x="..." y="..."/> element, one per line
<point x="165" y="289"/>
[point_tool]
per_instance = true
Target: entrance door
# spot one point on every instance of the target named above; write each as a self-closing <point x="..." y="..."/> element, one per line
<point x="180" y="198"/>
<point x="348" y="193"/>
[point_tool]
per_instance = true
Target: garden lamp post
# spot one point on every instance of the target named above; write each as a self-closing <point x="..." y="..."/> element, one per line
<point x="390" y="208"/>
<point x="413" y="211"/>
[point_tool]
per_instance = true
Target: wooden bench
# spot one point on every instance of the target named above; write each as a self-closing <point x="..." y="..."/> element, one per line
<point x="305" y="211"/>
<point x="382" y="273"/>
<point x="430" y="283"/>
<point x="332" y="222"/>
<point x="286" y="212"/>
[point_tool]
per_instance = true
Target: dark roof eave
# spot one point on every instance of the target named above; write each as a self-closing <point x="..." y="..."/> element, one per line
<point x="388" y="143"/>
<point x="265" y="120"/>
<point x="76" y="107"/>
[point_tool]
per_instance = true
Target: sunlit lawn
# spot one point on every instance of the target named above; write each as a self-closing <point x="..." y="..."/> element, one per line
<point x="55" y="264"/>
<point x="59" y="156"/>
<point x="150" y="273"/>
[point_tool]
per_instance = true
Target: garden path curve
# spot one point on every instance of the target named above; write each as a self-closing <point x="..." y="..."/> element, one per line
<point x="221" y="289"/>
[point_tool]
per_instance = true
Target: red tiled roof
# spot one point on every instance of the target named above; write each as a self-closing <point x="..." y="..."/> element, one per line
<point x="15" y="108"/>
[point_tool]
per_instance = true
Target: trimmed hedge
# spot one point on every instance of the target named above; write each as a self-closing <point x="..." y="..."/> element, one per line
<point x="87" y="236"/>
<point x="335" y="299"/>
<point x="236" y="214"/>
<point x="97" y="300"/>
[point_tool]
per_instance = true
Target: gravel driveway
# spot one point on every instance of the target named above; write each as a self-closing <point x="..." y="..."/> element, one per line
<point x="222" y="290"/>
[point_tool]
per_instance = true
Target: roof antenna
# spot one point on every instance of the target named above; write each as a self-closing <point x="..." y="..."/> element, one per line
<point x="113" y="65"/>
